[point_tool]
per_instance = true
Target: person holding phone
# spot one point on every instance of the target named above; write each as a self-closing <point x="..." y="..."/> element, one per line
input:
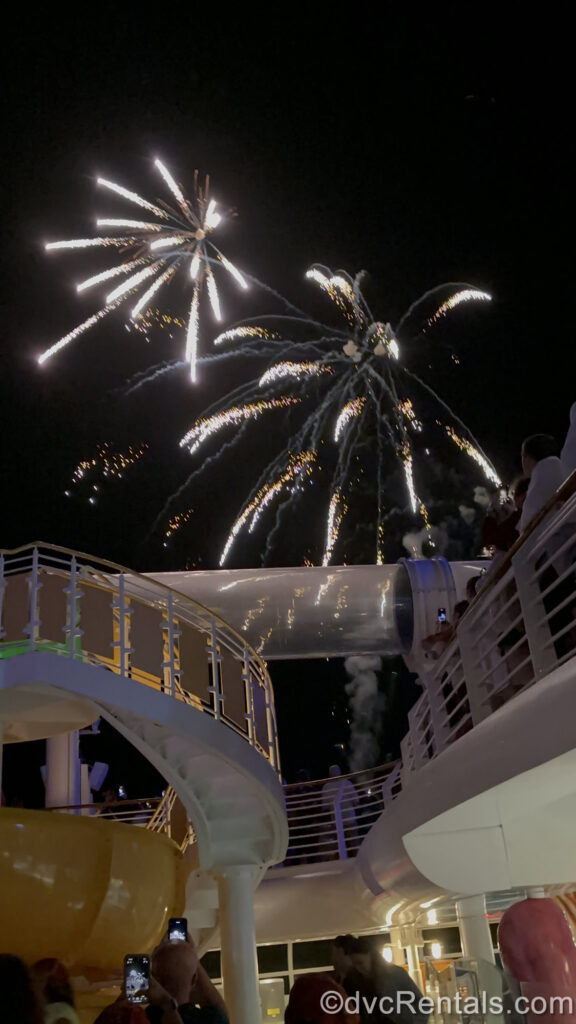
<point x="178" y="972"/>
<point x="140" y="987"/>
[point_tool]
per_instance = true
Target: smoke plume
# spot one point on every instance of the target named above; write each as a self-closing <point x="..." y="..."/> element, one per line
<point x="367" y="706"/>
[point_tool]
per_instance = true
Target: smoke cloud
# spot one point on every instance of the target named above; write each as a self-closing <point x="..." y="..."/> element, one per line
<point x="367" y="705"/>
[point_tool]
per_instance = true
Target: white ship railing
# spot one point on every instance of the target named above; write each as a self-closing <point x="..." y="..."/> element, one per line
<point x="329" y="818"/>
<point x="520" y="627"/>
<point x="79" y="607"/>
<point x="164" y="815"/>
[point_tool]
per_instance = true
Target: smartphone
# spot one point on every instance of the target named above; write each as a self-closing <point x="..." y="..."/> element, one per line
<point x="177" y="929"/>
<point x="136" y="977"/>
<point x="441" y="615"/>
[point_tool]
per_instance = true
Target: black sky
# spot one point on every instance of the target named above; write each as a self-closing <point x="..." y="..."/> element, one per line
<point x="421" y="148"/>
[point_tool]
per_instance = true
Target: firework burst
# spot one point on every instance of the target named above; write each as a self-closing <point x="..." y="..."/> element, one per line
<point x="107" y="463"/>
<point x="358" y="380"/>
<point x="152" y="251"/>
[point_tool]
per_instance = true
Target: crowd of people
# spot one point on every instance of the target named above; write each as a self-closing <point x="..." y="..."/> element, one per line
<point x="545" y="469"/>
<point x="178" y="991"/>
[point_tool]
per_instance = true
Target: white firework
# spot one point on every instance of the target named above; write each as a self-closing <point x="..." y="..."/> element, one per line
<point x="156" y="249"/>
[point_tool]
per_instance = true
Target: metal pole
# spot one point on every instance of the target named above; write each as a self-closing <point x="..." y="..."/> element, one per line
<point x="238" y="941"/>
<point x="247" y="677"/>
<point x="474" y="929"/>
<point x="340" y="837"/>
<point x="34" y="588"/>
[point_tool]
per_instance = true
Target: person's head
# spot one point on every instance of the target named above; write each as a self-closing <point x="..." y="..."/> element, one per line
<point x="334" y="771"/>
<point x="342" y="953"/>
<point x="305" y="1002"/>
<point x="20" y="997"/>
<point x="174" y="965"/>
<point x="472" y="586"/>
<point x="459" y="610"/>
<point x="519" y="491"/>
<point x="363" y="957"/>
<point x="53" y="980"/>
<point x="536" y="448"/>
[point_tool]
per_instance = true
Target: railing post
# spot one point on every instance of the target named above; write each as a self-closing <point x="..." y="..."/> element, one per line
<point x="2" y="592"/>
<point x="538" y="633"/>
<point x="124" y="613"/>
<point x="216" y="688"/>
<point x="169" y="663"/>
<point x="74" y="595"/>
<point x="439" y="730"/>
<point x="247" y="679"/>
<point x="473" y="681"/>
<point x="35" y="586"/>
<point x="270" y="725"/>
<point x="340" y="836"/>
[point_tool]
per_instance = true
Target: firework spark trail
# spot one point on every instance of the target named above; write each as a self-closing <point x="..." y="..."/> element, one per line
<point x="349" y="411"/>
<point x="298" y="464"/>
<point x="207" y="464"/>
<point x="336" y="512"/>
<point x="309" y="436"/>
<point x="205" y="428"/>
<point x="241" y="393"/>
<point x="465" y="446"/>
<point x="108" y="462"/>
<point x="179" y="238"/>
<point x="466" y="295"/>
<point x="132" y="197"/>
<point x="177" y="521"/>
<point x="239" y="333"/>
<point x="105" y="275"/>
<point x="149" y="376"/>
<point x="431" y="293"/>
<point x="85" y="326"/>
<point x="367" y="377"/>
<point x="452" y="414"/>
<point x="284" y="371"/>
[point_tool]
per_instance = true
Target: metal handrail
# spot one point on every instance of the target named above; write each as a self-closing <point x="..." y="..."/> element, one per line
<point x="252" y="717"/>
<point x="152" y="813"/>
<point x="329" y="818"/>
<point x="520" y="627"/>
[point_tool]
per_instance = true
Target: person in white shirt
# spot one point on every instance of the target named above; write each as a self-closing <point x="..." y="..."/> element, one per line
<point x="568" y="453"/>
<point x="547" y="473"/>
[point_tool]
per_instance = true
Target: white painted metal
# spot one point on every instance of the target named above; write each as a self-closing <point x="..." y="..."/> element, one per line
<point x="474" y="929"/>
<point x="324" y="824"/>
<point x="63" y="780"/>
<point x="126" y="592"/>
<point x="238" y="944"/>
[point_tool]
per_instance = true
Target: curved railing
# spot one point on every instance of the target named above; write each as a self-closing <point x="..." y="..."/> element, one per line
<point x="520" y="627"/>
<point x="79" y="607"/>
<point x="329" y="818"/>
<point x="165" y="815"/>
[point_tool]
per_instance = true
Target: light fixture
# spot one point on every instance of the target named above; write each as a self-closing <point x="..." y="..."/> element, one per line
<point x="436" y="950"/>
<point x="387" y="954"/>
<point x="432" y="917"/>
<point x="392" y="911"/>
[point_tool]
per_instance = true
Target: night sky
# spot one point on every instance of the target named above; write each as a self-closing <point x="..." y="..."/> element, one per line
<point x="420" y="149"/>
